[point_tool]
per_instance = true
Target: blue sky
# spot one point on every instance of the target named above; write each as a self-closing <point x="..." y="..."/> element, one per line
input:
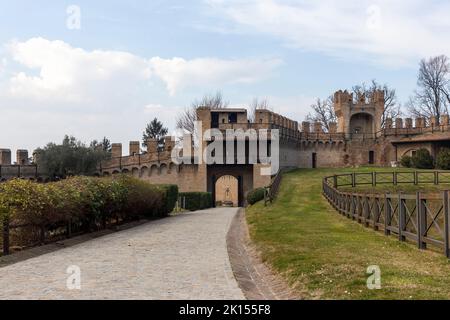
<point x="133" y="60"/>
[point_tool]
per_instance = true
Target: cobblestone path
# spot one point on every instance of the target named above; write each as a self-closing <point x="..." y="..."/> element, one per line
<point x="182" y="257"/>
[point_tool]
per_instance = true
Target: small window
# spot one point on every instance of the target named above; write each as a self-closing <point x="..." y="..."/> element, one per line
<point x="232" y="117"/>
<point x="414" y="152"/>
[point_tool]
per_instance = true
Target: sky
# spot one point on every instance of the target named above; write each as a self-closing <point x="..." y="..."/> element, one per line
<point x="106" y="68"/>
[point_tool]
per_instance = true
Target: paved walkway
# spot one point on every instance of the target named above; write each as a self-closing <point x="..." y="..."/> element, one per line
<point x="182" y="257"/>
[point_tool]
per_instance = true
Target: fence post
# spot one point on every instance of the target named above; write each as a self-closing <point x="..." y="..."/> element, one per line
<point x="354" y="212"/>
<point x="422" y="213"/>
<point x="335" y="182"/>
<point x="6" y="237"/>
<point x="376" y="212"/>
<point x="387" y="215"/>
<point x="436" y="178"/>
<point x="374" y="179"/>
<point x="416" y="178"/>
<point x="366" y="211"/>
<point x="42" y="235"/>
<point x="395" y="178"/>
<point x="446" y="225"/>
<point x="69" y="228"/>
<point x="353" y="180"/>
<point x="401" y="217"/>
<point x="265" y="197"/>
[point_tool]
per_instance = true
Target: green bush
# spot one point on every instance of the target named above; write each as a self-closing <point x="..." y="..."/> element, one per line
<point x="89" y="202"/>
<point x="422" y="159"/>
<point x="170" y="197"/>
<point x="406" y="161"/>
<point x="197" y="200"/>
<point x="255" y="195"/>
<point x="443" y="159"/>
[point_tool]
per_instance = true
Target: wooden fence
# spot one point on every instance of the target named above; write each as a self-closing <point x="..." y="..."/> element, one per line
<point x="31" y="235"/>
<point x="421" y="217"/>
<point x="272" y="190"/>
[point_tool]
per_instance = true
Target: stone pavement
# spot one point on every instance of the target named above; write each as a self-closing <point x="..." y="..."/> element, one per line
<point x="181" y="257"/>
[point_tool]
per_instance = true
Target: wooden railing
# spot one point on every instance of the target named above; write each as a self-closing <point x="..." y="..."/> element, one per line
<point x="12" y="233"/>
<point x="272" y="190"/>
<point x="420" y="217"/>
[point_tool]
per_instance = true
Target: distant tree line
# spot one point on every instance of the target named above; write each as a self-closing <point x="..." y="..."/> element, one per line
<point x="72" y="157"/>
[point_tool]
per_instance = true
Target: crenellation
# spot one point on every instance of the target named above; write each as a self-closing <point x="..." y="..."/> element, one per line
<point x="333" y="127"/>
<point x="169" y="144"/>
<point x="116" y="150"/>
<point x="408" y="123"/>
<point x="5" y="157"/>
<point x="420" y="122"/>
<point x="399" y="123"/>
<point x="135" y="148"/>
<point x="318" y="127"/>
<point x="434" y="121"/>
<point x="306" y="127"/>
<point x="388" y="123"/>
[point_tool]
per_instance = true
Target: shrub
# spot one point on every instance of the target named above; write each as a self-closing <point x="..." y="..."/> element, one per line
<point x="142" y="198"/>
<point x="197" y="200"/>
<point x="170" y="198"/>
<point x="443" y="159"/>
<point x="89" y="202"/>
<point x="422" y="159"/>
<point x="255" y="195"/>
<point x="406" y="161"/>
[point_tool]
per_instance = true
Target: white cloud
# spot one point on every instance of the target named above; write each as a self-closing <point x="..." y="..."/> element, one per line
<point x="384" y="31"/>
<point x="50" y="88"/>
<point x="178" y="73"/>
<point x="73" y="74"/>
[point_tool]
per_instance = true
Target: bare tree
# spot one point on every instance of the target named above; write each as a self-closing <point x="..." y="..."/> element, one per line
<point x="432" y="95"/>
<point x="323" y="112"/>
<point x="187" y="119"/>
<point x="257" y="104"/>
<point x="392" y="109"/>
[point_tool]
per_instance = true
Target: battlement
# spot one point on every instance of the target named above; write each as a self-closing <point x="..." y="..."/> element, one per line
<point x="21" y="157"/>
<point x="417" y="123"/>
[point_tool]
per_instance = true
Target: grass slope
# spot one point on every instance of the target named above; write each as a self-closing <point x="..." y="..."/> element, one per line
<point x="325" y="256"/>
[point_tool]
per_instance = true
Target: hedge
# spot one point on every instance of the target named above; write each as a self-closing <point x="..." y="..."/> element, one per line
<point x="443" y="159"/>
<point x="255" y="195"/>
<point x="197" y="200"/>
<point x="422" y="159"/>
<point x="88" y="202"/>
<point x="170" y="196"/>
<point x="406" y="161"/>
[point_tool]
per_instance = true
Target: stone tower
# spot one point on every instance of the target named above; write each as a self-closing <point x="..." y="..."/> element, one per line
<point x="360" y="117"/>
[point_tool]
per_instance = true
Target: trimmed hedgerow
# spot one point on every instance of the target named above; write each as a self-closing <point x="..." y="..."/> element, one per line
<point x="170" y="197"/>
<point x="197" y="200"/>
<point x="88" y="201"/>
<point x="255" y="196"/>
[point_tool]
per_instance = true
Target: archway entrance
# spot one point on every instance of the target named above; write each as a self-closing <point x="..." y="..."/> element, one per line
<point x="227" y="191"/>
<point x="242" y="173"/>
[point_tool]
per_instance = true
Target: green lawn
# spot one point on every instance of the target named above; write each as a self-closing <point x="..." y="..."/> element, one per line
<point x="324" y="255"/>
